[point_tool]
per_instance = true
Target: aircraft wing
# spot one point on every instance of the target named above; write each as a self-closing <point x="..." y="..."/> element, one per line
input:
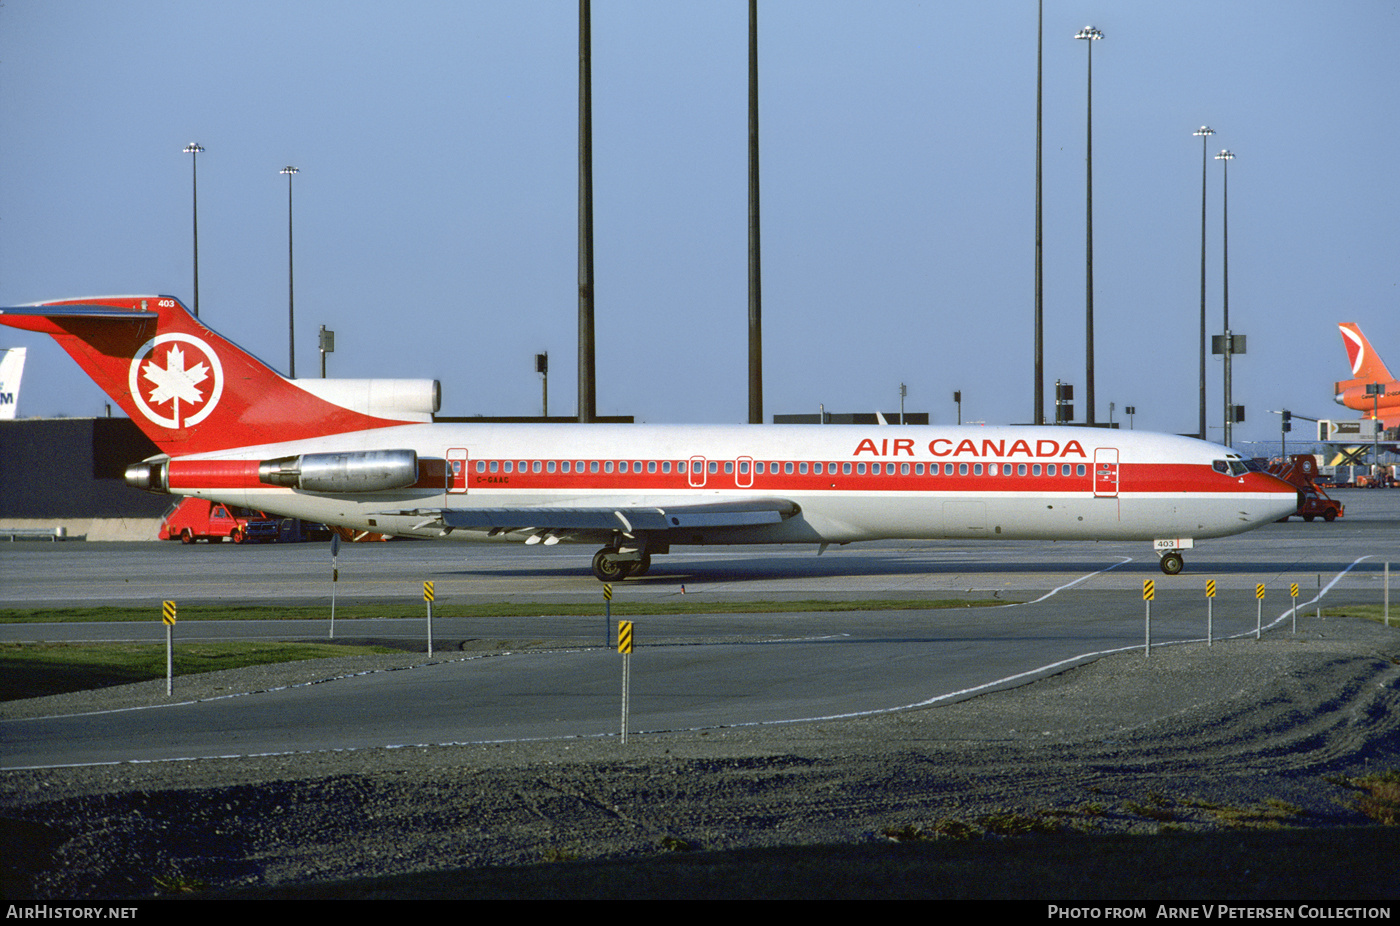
<point x="626" y="518"/>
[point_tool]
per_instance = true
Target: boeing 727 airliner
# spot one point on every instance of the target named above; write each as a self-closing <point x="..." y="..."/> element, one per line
<point x="367" y="455"/>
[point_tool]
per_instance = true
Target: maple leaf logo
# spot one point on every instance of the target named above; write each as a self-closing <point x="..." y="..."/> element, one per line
<point x="176" y="380"/>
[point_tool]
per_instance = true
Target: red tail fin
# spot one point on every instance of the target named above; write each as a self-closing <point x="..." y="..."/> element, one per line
<point x="189" y="389"/>
<point x="1365" y="365"/>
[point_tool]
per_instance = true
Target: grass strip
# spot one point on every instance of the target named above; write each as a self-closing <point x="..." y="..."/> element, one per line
<point x="1368" y="612"/>
<point x="215" y="612"/>
<point x="32" y="670"/>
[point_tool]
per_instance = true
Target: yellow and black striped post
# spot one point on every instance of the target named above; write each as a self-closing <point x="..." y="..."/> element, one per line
<point x="1293" y="593"/>
<point x="607" y="613"/>
<point x="624" y="646"/>
<point x="1259" y="614"/>
<point x="1149" y="591"/>
<point x="428" y="597"/>
<point x="167" y="616"/>
<point x="1210" y="612"/>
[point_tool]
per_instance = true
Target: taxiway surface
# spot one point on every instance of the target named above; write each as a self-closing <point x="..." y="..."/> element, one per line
<point x="549" y="676"/>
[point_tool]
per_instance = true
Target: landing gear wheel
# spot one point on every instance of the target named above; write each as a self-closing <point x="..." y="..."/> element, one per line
<point x="607" y="568"/>
<point x="1172" y="563"/>
<point x="187" y="536"/>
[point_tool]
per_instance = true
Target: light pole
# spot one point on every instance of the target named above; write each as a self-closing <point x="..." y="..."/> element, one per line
<point x="193" y="149"/>
<point x="755" y="240"/>
<point x="1091" y="35"/>
<point x="291" y="314"/>
<point x="1039" y="390"/>
<point x="542" y="368"/>
<point x="1204" y="132"/>
<point x="1228" y="342"/>
<point x="1375" y="391"/>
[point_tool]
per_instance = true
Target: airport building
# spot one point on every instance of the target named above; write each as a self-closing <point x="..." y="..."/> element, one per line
<point x="66" y="474"/>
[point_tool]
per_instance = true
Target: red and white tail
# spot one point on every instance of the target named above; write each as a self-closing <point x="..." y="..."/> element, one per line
<point x="1365" y="365"/>
<point x="189" y="389"/>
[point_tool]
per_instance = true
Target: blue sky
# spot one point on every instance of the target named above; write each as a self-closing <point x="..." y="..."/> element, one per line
<point x="436" y="199"/>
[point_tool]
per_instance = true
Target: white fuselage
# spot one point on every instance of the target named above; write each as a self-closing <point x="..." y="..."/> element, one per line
<point x="849" y="482"/>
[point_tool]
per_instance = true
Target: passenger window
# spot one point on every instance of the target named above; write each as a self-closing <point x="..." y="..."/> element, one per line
<point x="962" y="469"/>
<point x="564" y="466"/>
<point x="845" y="469"/>
<point x="1021" y="469"/>
<point x="593" y="466"/>
<point x="622" y="467"/>
<point x="729" y="466"/>
<point x="977" y="469"/>
<point x="481" y="466"/>
<point x="536" y="466"/>
<point x="904" y="469"/>
<point x="860" y="469"/>
<point x="714" y="467"/>
<point x="665" y="466"/>
<point x="1035" y="470"/>
<point x="802" y="468"/>
<point x="607" y="466"/>
<point x="508" y="466"/>
<point x="651" y="466"/>
<point x="551" y="465"/>
<point x="495" y="466"/>
<point x="787" y="468"/>
<point x="1079" y="470"/>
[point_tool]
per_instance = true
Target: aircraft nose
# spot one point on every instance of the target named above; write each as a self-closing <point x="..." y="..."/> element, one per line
<point x="1284" y="497"/>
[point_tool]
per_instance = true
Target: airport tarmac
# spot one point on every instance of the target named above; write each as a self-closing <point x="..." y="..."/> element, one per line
<point x="550" y="677"/>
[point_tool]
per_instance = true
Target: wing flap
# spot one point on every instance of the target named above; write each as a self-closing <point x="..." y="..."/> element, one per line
<point x="626" y="518"/>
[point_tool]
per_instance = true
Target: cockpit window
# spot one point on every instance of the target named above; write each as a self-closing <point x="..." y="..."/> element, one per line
<point x="1233" y="467"/>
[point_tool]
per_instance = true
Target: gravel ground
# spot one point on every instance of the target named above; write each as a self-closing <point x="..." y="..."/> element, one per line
<point x="1244" y="735"/>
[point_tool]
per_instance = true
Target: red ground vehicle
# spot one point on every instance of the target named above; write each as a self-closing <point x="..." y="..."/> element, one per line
<point x="197" y="519"/>
<point x="1313" y="501"/>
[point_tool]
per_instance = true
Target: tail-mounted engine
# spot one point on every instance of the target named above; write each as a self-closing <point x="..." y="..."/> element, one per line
<point x="355" y="471"/>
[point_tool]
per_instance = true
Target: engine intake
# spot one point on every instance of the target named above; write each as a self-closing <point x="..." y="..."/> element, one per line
<point x="355" y="471"/>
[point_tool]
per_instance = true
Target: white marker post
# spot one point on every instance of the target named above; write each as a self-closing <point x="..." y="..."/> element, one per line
<point x="335" y="577"/>
<point x="1259" y="615"/>
<point x="1293" y="592"/>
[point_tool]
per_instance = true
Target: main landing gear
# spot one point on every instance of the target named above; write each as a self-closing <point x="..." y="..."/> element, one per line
<point x="613" y="565"/>
<point x="1172" y="563"/>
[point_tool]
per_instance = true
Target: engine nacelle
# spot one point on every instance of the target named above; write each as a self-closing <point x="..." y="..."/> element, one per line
<point x="353" y="471"/>
<point x="151" y="476"/>
<point x="400" y="399"/>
